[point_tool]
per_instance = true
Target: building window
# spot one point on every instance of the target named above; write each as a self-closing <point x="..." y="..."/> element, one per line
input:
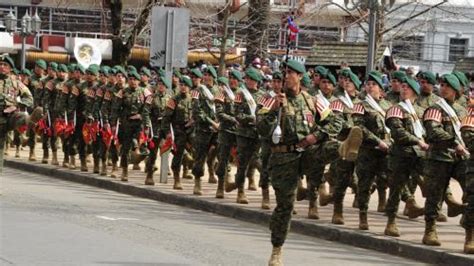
<point x="410" y="47"/>
<point x="457" y="49"/>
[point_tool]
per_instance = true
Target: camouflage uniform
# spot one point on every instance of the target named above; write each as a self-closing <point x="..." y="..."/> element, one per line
<point x="50" y="94"/>
<point x="467" y="131"/>
<point x="36" y="88"/>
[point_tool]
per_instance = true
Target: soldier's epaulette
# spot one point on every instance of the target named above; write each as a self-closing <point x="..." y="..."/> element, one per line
<point x="99" y="93"/>
<point x="394" y="112"/>
<point x="149" y="99"/>
<point x="220" y="97"/>
<point x="91" y="93"/>
<point x="65" y="89"/>
<point x="75" y="90"/>
<point x="119" y="94"/>
<point x="107" y="96"/>
<point x="238" y="98"/>
<point x="171" y="104"/>
<point x="267" y="102"/>
<point x="336" y="106"/>
<point x="432" y="114"/>
<point x="467" y="121"/>
<point x="358" y="109"/>
<point x="195" y="94"/>
<point x="49" y="85"/>
<point x="147" y="92"/>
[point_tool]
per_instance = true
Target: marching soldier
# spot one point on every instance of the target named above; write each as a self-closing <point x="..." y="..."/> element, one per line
<point x="447" y="153"/>
<point x="36" y="88"/>
<point x="464" y="83"/>
<point x="407" y="152"/>
<point x="177" y="121"/>
<point x="14" y="95"/>
<point x="48" y="95"/>
<point x="91" y="113"/>
<point x="467" y="131"/>
<point x="393" y="96"/>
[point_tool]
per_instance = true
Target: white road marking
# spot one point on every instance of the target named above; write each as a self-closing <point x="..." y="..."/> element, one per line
<point x="116" y="219"/>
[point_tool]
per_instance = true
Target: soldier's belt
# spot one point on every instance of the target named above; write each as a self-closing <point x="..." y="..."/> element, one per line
<point x="284" y="148"/>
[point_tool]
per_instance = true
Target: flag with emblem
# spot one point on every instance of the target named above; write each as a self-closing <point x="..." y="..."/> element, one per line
<point x="432" y="115"/>
<point x="394" y="112"/>
<point x="107" y="135"/>
<point x="86" y="133"/>
<point x="266" y="103"/>
<point x="358" y="109"/>
<point x="107" y="96"/>
<point x="467" y="121"/>
<point x="195" y="94"/>
<point x="91" y="93"/>
<point x="220" y="97"/>
<point x="171" y="104"/>
<point x="75" y="90"/>
<point x="238" y="98"/>
<point x="336" y="106"/>
<point x="470" y="111"/>
<point x="99" y="93"/>
<point x="322" y="108"/>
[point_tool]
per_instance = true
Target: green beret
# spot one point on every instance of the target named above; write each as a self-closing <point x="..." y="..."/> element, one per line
<point x="134" y="74"/>
<point x="53" y="66"/>
<point x="329" y="76"/>
<point x="120" y="70"/>
<point x="400" y="75"/>
<point x="165" y="82"/>
<point x="428" y="76"/>
<point x="26" y="72"/>
<point x="306" y="81"/>
<point x="413" y="84"/>
<point x="41" y="64"/>
<point x="345" y="72"/>
<point x="63" y="68"/>
<point x="16" y="71"/>
<point x="71" y="67"/>
<point x="461" y="77"/>
<point x="277" y="75"/>
<point x="177" y="73"/>
<point x="196" y="72"/>
<point x="452" y="81"/>
<point x="211" y="70"/>
<point x="377" y="77"/>
<point x="105" y="70"/>
<point x="81" y="69"/>
<point x="93" y="69"/>
<point x="187" y="81"/>
<point x="7" y="59"/>
<point x="295" y="65"/>
<point x="319" y="70"/>
<point x="355" y="80"/>
<point x="145" y="71"/>
<point x="112" y="71"/>
<point x="131" y="68"/>
<point x="253" y="74"/>
<point x="236" y="75"/>
<point x="223" y="80"/>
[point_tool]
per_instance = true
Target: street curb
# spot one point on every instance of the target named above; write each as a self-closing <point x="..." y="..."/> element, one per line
<point x="365" y="240"/>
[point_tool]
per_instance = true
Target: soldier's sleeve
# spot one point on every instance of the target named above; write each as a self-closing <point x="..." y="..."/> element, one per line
<point x="88" y="105"/>
<point x="329" y="127"/>
<point x="243" y="112"/>
<point x="106" y="105"/>
<point x="435" y="133"/>
<point x="394" y="121"/>
<point x="266" y="123"/>
<point x="73" y="98"/>
<point x="467" y="132"/>
<point x="167" y="115"/>
<point x="116" y="107"/>
<point x="45" y="100"/>
<point x="359" y="118"/>
<point x="25" y="95"/>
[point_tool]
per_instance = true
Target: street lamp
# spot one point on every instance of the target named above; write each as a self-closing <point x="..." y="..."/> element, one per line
<point x="373" y="6"/>
<point x="29" y="26"/>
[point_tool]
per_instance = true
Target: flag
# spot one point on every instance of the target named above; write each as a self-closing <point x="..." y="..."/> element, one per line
<point x="59" y="126"/>
<point x="293" y="28"/>
<point x="107" y="135"/>
<point x="168" y="144"/>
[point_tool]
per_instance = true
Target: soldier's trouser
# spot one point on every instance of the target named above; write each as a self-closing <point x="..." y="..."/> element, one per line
<point x="246" y="149"/>
<point x="113" y="153"/>
<point x="152" y="156"/>
<point x="50" y="141"/>
<point x="31" y="137"/>
<point x="468" y="221"/>
<point x="285" y="170"/>
<point x="77" y="141"/>
<point x="226" y="141"/>
<point x="315" y="160"/>
<point x="437" y="177"/>
<point x="3" y="136"/>
<point x="8" y="122"/>
<point x="97" y="149"/>
<point x="16" y="138"/>
<point x="370" y="163"/>
<point x="202" y="143"/>
<point x="254" y="164"/>
<point x="403" y="167"/>
<point x="264" y="182"/>
<point x="180" y="139"/>
<point x="343" y="172"/>
<point x="130" y="131"/>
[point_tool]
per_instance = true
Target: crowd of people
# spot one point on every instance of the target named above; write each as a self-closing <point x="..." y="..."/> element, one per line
<point x="290" y="124"/>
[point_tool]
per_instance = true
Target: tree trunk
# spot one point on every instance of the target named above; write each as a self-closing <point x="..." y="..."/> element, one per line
<point x="257" y="37"/>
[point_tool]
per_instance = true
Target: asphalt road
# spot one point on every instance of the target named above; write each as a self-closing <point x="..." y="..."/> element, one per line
<point x="44" y="221"/>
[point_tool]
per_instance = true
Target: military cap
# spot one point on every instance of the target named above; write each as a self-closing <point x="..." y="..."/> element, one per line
<point x="306" y="81"/>
<point x="93" y="69"/>
<point x="16" y="71"/>
<point x="131" y="68"/>
<point x="412" y="84"/>
<point x="236" y="75"/>
<point x="41" y="64"/>
<point x="63" y="68"/>
<point x="223" y="80"/>
<point x="165" y="81"/>
<point x="26" y="72"/>
<point x="461" y="77"/>
<point x="428" y="76"/>
<point x="295" y="65"/>
<point x="6" y="58"/>
<point x="134" y="74"/>
<point x="399" y="75"/>
<point x="104" y="70"/>
<point x="377" y="77"/>
<point x="177" y="73"/>
<point x="452" y="81"/>
<point x="277" y="75"/>
<point x="355" y="79"/>
<point x="253" y="74"/>
<point x="196" y="72"/>
<point x="72" y="67"/>
<point x="53" y="66"/>
<point x="345" y="72"/>
<point x="319" y="70"/>
<point x="112" y="71"/>
<point x="120" y="70"/>
<point x="145" y="71"/>
<point x="329" y="76"/>
<point x="81" y="69"/>
<point x="211" y="70"/>
<point x="187" y="81"/>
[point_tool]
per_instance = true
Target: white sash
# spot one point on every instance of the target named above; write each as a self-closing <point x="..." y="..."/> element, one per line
<point x="229" y="93"/>
<point x="346" y="99"/>
<point x="453" y="117"/>
<point x="418" y="128"/>
<point x="377" y="108"/>
<point x="249" y="99"/>
<point x="323" y="100"/>
<point x="210" y="98"/>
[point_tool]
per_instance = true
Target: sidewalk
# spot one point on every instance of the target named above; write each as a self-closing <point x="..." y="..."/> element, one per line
<point x="408" y="245"/>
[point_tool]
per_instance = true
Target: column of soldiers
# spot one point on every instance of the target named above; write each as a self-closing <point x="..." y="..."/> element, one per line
<point x="298" y="127"/>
